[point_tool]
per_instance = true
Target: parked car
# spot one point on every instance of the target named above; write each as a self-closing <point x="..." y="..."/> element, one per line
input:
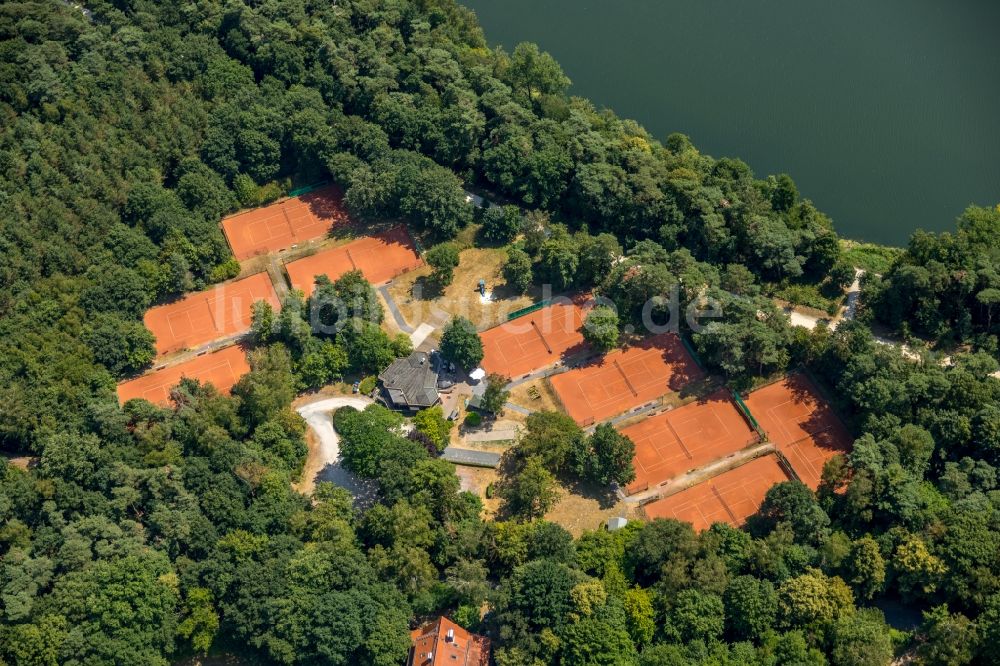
<point x="355" y="387"/>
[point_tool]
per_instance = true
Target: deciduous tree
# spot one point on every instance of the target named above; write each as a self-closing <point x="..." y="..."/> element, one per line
<point x="517" y="270"/>
<point x="496" y="394"/>
<point x="601" y="328"/>
<point x="460" y="342"/>
<point x="443" y="258"/>
<point x="531" y="491"/>
<point x="432" y="423"/>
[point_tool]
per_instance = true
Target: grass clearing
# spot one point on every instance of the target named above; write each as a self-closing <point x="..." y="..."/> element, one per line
<point x="808" y="295"/>
<point x="466" y="238"/>
<point x="870" y="256"/>
<point x="493" y="446"/>
<point x="419" y="300"/>
<point x="329" y="391"/>
<point x="23" y="463"/>
<point x="587" y="508"/>
<point x="536" y="395"/>
<point x="476" y="480"/>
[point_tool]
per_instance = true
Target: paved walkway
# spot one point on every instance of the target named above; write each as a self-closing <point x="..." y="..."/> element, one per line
<point x="518" y="408"/>
<point x="548" y="371"/>
<point x="803" y="320"/>
<point x="806" y="320"/>
<point x="277" y="275"/>
<point x="537" y="374"/>
<point x="500" y="431"/>
<point x="638" y="411"/>
<point x="404" y="326"/>
<point x="176" y="358"/>
<point x="418" y="336"/>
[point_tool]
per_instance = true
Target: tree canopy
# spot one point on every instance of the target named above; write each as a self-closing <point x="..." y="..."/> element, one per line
<point x="145" y="534"/>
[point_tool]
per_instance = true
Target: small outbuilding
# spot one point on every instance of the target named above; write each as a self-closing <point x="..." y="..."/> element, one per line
<point x="410" y="384"/>
<point x="615" y="524"/>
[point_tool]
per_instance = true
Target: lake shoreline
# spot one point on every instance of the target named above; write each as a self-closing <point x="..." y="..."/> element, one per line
<point x="883" y="113"/>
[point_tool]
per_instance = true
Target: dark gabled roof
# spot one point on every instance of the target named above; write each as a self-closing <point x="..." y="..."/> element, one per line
<point x="411" y="382"/>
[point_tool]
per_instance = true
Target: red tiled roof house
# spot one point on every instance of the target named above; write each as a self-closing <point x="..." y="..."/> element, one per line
<point x="444" y="642"/>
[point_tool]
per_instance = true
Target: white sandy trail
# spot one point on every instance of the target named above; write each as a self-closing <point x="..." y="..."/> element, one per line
<point x="319" y="417"/>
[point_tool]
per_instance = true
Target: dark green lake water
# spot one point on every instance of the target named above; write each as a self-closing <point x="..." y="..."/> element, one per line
<point x="885" y="112"/>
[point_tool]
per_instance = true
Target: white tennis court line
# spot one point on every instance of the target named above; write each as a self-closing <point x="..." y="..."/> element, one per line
<point x="652" y="378"/>
<point x="164" y="386"/>
<point x="288" y="221"/>
<point x="518" y="353"/>
<point x="725" y="435"/>
<point x="700" y="443"/>
<point x="725" y="505"/>
<point x="609" y="396"/>
<point x="259" y="231"/>
<point x="558" y="319"/>
<point x="792" y="445"/>
<point x="211" y="315"/>
<point x="795" y="451"/>
<point x="184" y="315"/>
<point x="780" y="422"/>
<point x="214" y="303"/>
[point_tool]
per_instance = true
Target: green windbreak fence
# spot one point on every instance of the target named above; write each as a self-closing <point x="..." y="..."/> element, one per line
<point x="417" y="245"/>
<point x="528" y="310"/>
<point x="747" y="415"/>
<point x="694" y="354"/>
<point x="306" y="189"/>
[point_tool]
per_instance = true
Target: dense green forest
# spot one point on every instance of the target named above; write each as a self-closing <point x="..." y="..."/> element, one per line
<point x="145" y="534"/>
<point x="946" y="287"/>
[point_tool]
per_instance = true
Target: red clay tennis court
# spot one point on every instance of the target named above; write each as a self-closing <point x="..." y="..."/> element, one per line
<point x="222" y="369"/>
<point x="686" y="438"/>
<point x="380" y="257"/>
<point x="801" y="424"/>
<point x="204" y="316"/>
<point x="625" y="378"/>
<point x="731" y="497"/>
<point x="283" y="224"/>
<point x="533" y="341"/>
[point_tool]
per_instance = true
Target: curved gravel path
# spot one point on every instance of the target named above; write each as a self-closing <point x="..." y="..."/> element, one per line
<point x="322" y="463"/>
